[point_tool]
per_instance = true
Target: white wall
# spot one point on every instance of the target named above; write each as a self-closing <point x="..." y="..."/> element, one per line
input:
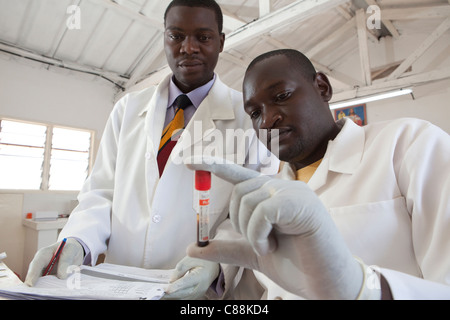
<point x="35" y="92"/>
<point x="431" y="102"/>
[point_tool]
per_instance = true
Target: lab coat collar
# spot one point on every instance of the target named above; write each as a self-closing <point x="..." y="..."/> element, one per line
<point x="155" y="113"/>
<point x="216" y="106"/>
<point x="219" y="101"/>
<point x="346" y="150"/>
<point x="343" y="155"/>
<point x="216" y="100"/>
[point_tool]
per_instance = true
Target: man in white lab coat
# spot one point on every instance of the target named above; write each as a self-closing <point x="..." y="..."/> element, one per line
<point x="130" y="211"/>
<point x="360" y="212"/>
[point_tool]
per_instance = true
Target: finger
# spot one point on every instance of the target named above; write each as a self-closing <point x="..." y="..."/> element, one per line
<point x="239" y="191"/>
<point x="38" y="265"/>
<point x="222" y="168"/>
<point x="246" y="196"/>
<point x="232" y="252"/>
<point x="260" y="227"/>
<point x="182" y="268"/>
<point x="184" y="286"/>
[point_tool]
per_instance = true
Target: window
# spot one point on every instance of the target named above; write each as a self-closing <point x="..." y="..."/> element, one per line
<point x="43" y="157"/>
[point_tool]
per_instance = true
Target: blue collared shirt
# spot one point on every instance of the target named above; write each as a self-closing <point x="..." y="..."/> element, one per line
<point x="196" y="96"/>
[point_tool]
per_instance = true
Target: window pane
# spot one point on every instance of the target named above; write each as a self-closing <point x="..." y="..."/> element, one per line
<point x="21" y="155"/>
<point x="69" y="159"/>
<point x="69" y="139"/>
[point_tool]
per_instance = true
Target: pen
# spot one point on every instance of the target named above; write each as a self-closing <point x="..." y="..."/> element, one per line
<point x="55" y="258"/>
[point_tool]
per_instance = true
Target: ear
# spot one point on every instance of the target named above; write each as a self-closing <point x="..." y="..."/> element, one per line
<point x="222" y="41"/>
<point x="322" y="82"/>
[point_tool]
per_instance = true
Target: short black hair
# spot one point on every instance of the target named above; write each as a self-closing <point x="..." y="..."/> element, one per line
<point x="210" y="4"/>
<point x="298" y="59"/>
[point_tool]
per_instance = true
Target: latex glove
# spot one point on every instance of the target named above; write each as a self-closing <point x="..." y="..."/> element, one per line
<point x="72" y="254"/>
<point x="287" y="234"/>
<point x="191" y="279"/>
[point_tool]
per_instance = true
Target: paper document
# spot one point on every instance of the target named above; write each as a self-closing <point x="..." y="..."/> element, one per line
<point x="101" y="284"/>
<point x="112" y="271"/>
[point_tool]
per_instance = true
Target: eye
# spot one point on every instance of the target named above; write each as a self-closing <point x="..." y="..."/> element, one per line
<point x="254" y="114"/>
<point x="282" y="96"/>
<point x="204" y="38"/>
<point x="175" y="37"/>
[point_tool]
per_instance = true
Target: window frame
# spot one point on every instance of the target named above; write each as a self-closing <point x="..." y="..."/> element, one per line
<point x="45" y="177"/>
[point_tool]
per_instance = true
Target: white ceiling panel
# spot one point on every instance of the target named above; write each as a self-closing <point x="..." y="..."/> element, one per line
<point x="122" y="40"/>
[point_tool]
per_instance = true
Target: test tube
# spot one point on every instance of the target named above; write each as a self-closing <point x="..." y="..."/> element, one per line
<point x="202" y="187"/>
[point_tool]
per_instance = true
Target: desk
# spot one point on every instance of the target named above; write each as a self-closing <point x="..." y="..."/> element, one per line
<point x="39" y="234"/>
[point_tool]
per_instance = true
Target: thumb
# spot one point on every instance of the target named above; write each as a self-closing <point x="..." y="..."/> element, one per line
<point x="233" y="252"/>
<point x="222" y="168"/>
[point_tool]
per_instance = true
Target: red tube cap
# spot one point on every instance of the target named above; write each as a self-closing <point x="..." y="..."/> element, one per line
<point x="202" y="180"/>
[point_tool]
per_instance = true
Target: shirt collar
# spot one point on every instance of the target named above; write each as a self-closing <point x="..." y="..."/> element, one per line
<point x="346" y="150"/>
<point x="343" y="155"/>
<point x="196" y="95"/>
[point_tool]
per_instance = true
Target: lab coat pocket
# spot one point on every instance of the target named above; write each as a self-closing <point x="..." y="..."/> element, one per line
<point x="379" y="233"/>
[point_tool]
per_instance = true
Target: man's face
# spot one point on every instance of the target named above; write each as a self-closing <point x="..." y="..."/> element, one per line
<point x="192" y="44"/>
<point x="277" y="96"/>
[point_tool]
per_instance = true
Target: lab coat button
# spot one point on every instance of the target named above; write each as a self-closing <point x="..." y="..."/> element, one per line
<point x="156" y="218"/>
<point x="148" y="155"/>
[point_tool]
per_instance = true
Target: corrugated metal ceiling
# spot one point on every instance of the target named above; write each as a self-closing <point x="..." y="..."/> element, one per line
<point x="121" y="40"/>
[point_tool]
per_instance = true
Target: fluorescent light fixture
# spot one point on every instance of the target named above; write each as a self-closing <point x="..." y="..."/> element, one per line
<point x="371" y="98"/>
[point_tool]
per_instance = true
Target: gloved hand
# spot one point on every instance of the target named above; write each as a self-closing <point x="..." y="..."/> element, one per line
<point x="191" y="279"/>
<point x="72" y="254"/>
<point x="287" y="234"/>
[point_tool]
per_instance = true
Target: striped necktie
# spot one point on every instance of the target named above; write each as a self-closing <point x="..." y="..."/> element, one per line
<point x="167" y="143"/>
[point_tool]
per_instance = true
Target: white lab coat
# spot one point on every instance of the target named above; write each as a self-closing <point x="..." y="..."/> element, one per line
<point x="387" y="188"/>
<point x="125" y="209"/>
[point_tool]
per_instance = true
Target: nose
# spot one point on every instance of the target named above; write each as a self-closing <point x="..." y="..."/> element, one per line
<point x="189" y="45"/>
<point x="269" y="118"/>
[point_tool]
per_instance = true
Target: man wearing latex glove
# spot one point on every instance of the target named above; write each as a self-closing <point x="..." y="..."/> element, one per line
<point x="287" y="234"/>
<point x="72" y="254"/>
<point x="382" y="196"/>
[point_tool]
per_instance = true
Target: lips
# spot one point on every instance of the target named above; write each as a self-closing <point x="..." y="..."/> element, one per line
<point x="277" y="135"/>
<point x="190" y="63"/>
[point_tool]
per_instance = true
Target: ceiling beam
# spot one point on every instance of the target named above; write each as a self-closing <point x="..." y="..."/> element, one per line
<point x="383" y="86"/>
<point x="428" y="12"/>
<point x="231" y="21"/>
<point x="243" y="63"/>
<point x="297" y="11"/>
<point x="424" y="46"/>
<point x="111" y="76"/>
<point x="124" y="11"/>
<point x="332" y="38"/>
<point x="152" y="52"/>
<point x="336" y="75"/>
<point x="363" y="46"/>
<point x="387" y="23"/>
<point x="264" y="7"/>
